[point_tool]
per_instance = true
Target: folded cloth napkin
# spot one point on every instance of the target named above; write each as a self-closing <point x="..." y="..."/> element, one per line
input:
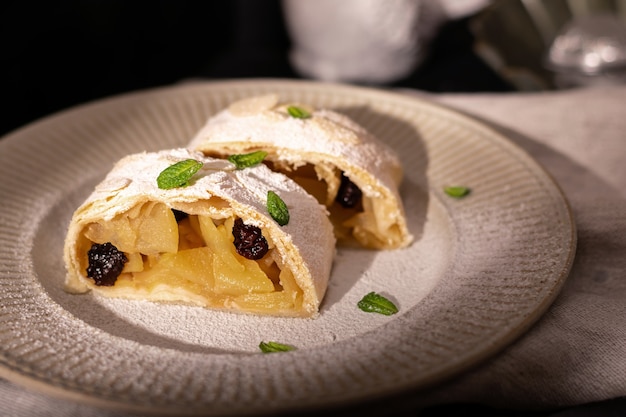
<point x="576" y="353"/>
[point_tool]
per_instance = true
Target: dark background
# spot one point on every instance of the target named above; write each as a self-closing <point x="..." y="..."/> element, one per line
<point x="57" y="54"/>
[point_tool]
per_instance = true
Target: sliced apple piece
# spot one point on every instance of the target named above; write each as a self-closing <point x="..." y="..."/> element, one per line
<point x="191" y="267"/>
<point x="149" y="229"/>
<point x="157" y="230"/>
<point x="234" y="274"/>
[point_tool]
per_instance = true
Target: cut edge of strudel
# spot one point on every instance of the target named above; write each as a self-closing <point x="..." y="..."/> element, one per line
<point x="211" y="241"/>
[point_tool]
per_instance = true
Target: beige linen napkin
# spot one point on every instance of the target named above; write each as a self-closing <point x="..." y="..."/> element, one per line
<point x="577" y="352"/>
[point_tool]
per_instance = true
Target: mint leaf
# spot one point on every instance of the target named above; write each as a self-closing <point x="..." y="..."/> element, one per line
<point x="277" y="208"/>
<point x="178" y="174"/>
<point x="376" y="303"/>
<point x="247" y="160"/>
<point x="298" y="113"/>
<point x="271" y="347"/>
<point x="456" y="191"/>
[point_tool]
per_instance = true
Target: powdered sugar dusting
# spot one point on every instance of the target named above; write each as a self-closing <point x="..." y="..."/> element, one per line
<point x="325" y="133"/>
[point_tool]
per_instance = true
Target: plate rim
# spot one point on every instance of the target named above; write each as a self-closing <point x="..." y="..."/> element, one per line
<point x="511" y="147"/>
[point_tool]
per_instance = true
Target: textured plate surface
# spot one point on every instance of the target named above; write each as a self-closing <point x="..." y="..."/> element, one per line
<point x="482" y="269"/>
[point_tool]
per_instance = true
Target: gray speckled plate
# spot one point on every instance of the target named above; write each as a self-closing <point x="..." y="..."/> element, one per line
<point x="482" y="270"/>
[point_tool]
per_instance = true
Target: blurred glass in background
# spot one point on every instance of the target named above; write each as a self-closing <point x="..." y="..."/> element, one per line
<point x="548" y="44"/>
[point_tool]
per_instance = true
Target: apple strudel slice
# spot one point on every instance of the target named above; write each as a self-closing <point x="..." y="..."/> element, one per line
<point x="335" y="159"/>
<point x="176" y="226"/>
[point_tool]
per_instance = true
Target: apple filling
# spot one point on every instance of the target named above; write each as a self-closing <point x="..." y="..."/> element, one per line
<point x="192" y="259"/>
<point x="355" y="216"/>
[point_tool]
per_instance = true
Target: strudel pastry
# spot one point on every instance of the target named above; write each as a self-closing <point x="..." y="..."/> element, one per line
<point x="212" y="241"/>
<point x="338" y="161"/>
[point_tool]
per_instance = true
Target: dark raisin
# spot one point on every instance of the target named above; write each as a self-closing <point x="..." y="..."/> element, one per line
<point x="249" y="240"/>
<point x="105" y="263"/>
<point x="349" y="195"/>
<point x="179" y="215"/>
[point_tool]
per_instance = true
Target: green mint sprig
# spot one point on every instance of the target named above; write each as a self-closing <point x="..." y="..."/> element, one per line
<point x="376" y="303"/>
<point x="456" y="191"/>
<point x="277" y="208"/>
<point x="272" y="347"/>
<point x="178" y="174"/>
<point x="247" y="160"/>
<point x="298" y="112"/>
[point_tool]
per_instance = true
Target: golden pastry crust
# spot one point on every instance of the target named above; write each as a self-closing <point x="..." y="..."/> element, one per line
<point x="320" y="147"/>
<point x="129" y="203"/>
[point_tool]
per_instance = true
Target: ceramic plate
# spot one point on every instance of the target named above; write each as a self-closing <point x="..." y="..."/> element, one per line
<point x="482" y="270"/>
